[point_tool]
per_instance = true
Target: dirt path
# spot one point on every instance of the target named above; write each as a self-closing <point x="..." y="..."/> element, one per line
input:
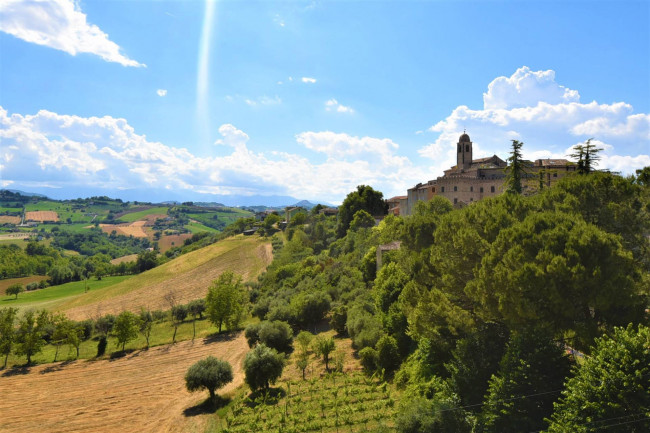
<point x="143" y="392"/>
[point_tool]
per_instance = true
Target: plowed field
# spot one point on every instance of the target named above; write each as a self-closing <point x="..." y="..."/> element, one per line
<point x="142" y="392"/>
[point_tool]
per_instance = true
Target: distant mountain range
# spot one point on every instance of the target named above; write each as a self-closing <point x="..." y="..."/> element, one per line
<point x="175" y="197"/>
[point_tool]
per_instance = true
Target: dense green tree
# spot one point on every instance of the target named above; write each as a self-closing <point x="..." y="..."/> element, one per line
<point x="388" y="358"/>
<point x="554" y="268"/>
<point x="361" y="220"/>
<point x="420" y="226"/>
<point x="515" y="170"/>
<point x="147" y="260"/>
<point x="209" y="373"/>
<point x="389" y="283"/>
<point x="339" y="318"/>
<point x="522" y="392"/>
<point x="310" y="308"/>
<point x="30" y="334"/>
<point x="126" y="328"/>
<point x="8" y="333"/>
<point x="196" y="308"/>
<point x="611" y="390"/>
<point x="474" y="360"/>
<point x="263" y="366"/>
<point x="364" y="198"/>
<point x="304" y="339"/>
<point x="276" y="335"/>
<point x="15" y="289"/>
<point x="145" y="324"/>
<point x="74" y="335"/>
<point x="226" y="301"/>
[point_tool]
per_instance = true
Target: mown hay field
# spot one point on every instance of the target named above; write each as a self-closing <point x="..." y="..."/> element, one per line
<point x="6" y="219"/>
<point x="41" y="216"/>
<point x="141" y="392"/>
<point x="187" y="277"/>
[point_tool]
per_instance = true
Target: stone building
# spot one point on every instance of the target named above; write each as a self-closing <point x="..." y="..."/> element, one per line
<point x="474" y="179"/>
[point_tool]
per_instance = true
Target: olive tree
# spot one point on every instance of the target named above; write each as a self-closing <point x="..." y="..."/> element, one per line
<point x="263" y="366"/>
<point x="15" y="289"/>
<point x="126" y="328"/>
<point x="209" y="373"/>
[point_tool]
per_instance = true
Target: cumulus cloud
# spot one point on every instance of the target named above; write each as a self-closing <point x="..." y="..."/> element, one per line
<point x="106" y="152"/>
<point x="308" y="80"/>
<point x="334" y="105"/>
<point x="59" y="24"/>
<point x="549" y="118"/>
<point x="161" y="92"/>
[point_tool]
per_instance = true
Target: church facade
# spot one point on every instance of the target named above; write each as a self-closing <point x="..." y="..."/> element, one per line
<point x="471" y="179"/>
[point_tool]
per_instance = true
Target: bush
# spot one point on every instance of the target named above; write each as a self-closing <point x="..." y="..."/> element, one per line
<point x="209" y="373"/>
<point x="310" y="308"/>
<point x="252" y="334"/>
<point x="368" y="358"/>
<point x="31" y="286"/>
<point x="431" y="416"/>
<point x="387" y="354"/>
<point x="339" y="317"/>
<point x="262" y="366"/>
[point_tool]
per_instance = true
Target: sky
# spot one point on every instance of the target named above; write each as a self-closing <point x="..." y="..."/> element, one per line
<point x="263" y="102"/>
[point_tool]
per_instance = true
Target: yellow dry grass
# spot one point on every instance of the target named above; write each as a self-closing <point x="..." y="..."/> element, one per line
<point x="187" y="277"/>
<point x="6" y="219"/>
<point x="142" y="392"/>
<point x="41" y="216"/>
<point x="135" y="229"/>
<point x="124" y="259"/>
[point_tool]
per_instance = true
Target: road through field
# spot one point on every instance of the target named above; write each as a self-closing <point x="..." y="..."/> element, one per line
<point x="142" y="392"/>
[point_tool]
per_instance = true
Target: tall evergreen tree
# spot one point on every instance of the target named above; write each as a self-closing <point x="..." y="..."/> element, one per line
<point x="515" y="170"/>
<point x="586" y="156"/>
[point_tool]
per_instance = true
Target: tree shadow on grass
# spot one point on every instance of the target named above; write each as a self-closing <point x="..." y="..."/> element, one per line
<point x="120" y="354"/>
<point x="16" y="370"/>
<point x="56" y="367"/>
<point x="208" y="406"/>
<point x="217" y="337"/>
<point x="267" y="397"/>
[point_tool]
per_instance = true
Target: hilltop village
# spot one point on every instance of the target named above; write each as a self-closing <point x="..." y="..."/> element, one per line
<point x="473" y="179"/>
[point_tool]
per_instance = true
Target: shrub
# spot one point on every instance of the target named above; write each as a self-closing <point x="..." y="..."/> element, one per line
<point x="209" y="373"/>
<point x="368" y="358"/>
<point x="387" y="354"/>
<point x="339" y="317"/>
<point x="252" y="334"/>
<point x="31" y="286"/>
<point x="263" y="366"/>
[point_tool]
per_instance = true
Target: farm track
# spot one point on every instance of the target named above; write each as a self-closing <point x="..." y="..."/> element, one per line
<point x="186" y="285"/>
<point x="142" y="392"/>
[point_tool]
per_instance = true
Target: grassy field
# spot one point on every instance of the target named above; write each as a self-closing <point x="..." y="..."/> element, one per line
<point x="196" y="227"/>
<point x="135" y="216"/>
<point x="50" y="296"/>
<point x="11" y="210"/>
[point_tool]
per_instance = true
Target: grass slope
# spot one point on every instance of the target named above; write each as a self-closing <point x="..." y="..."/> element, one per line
<point x="135" y="216"/>
<point x="187" y="276"/>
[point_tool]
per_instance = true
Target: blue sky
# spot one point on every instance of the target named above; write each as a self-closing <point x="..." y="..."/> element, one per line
<point x="188" y="99"/>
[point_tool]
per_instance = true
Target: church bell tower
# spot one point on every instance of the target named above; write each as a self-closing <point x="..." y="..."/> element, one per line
<point x="464" y="154"/>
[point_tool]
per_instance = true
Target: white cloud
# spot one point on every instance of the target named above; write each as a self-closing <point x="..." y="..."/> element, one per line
<point x="548" y="117"/>
<point x="308" y="80"/>
<point x="263" y="100"/>
<point x="161" y="92"/>
<point x="333" y="105"/>
<point x="59" y="24"/>
<point x="106" y="152"/>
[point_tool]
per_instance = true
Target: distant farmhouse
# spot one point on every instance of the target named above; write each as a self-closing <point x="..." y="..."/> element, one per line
<point x="473" y="179"/>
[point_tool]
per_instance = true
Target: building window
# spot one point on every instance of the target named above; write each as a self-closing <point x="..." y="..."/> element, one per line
<point x="455" y="200"/>
<point x="471" y="199"/>
<point x="455" y="188"/>
<point x="481" y="190"/>
<point x="460" y="148"/>
<point x="554" y="174"/>
<point x="467" y="148"/>
<point x="442" y="189"/>
<point x="492" y="188"/>
<point x="433" y="190"/>
<point x="471" y="189"/>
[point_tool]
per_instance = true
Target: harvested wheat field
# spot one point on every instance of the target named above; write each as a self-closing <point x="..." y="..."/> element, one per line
<point x="124" y="259"/>
<point x="187" y="277"/>
<point x="135" y="229"/>
<point x="6" y="219"/>
<point x="142" y="392"/>
<point x="41" y="216"/>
